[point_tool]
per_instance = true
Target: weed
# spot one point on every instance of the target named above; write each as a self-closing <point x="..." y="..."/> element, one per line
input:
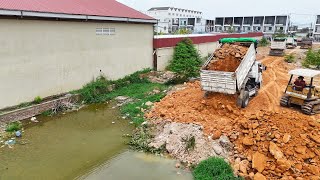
<point x="214" y="168"/>
<point x="37" y="100"/>
<point x="263" y="42"/>
<point x="13" y="126"/>
<point x="25" y="104"/>
<point x="289" y="58"/>
<point x="141" y="139"/>
<point x="190" y="142"/>
<point x="47" y="113"/>
<point x="312" y="59"/>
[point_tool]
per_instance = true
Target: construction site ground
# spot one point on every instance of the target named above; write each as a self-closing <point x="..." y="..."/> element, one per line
<point x="270" y="141"/>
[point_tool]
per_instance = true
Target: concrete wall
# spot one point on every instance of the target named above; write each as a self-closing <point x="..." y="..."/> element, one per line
<point x="43" y="58"/>
<point x="165" y="54"/>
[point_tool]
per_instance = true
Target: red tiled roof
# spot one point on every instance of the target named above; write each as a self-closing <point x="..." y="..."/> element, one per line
<point x="109" y="8"/>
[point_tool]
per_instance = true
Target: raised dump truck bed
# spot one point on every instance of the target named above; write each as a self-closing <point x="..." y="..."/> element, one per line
<point x="278" y="45"/>
<point x="244" y="81"/>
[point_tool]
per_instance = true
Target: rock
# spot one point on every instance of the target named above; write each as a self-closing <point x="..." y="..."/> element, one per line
<point x="217" y="149"/>
<point x="178" y="165"/>
<point x="237" y="55"/>
<point x="259" y="161"/>
<point x="298" y="166"/>
<point x="216" y="135"/>
<point x="301" y="149"/>
<point x="251" y="175"/>
<point x="121" y="98"/>
<point x="315" y="138"/>
<point x="225" y="142"/>
<point x="313" y="169"/>
<point x="113" y="122"/>
<point x="255" y="125"/>
<point x="34" y="119"/>
<point x="229" y="108"/>
<point x="275" y="151"/>
<point x="312" y="123"/>
<point x="244" y="164"/>
<point x="149" y="103"/>
<point x="259" y="176"/>
<point x="286" y="138"/>
<point x="283" y="164"/>
<point x="247" y="141"/>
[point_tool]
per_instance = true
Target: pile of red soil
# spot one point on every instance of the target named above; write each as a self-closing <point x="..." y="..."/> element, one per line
<point x="227" y="58"/>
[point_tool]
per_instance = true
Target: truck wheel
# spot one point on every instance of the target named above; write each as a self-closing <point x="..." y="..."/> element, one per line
<point x="243" y="99"/>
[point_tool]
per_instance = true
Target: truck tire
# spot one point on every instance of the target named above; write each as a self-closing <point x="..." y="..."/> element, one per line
<point x="243" y="99"/>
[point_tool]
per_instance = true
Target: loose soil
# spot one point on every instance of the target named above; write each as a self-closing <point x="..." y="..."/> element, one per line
<point x="227" y="58"/>
<point x="270" y="140"/>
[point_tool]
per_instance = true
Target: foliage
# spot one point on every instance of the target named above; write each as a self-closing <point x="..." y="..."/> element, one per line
<point x="312" y="59"/>
<point x="47" y="113"/>
<point x="13" y="126"/>
<point x="213" y="168"/>
<point x="186" y="60"/>
<point x="95" y="91"/>
<point x="37" y="100"/>
<point x="25" y="104"/>
<point x="263" y="42"/>
<point x="190" y="142"/>
<point x="279" y="33"/>
<point x="141" y="139"/>
<point x="183" y="31"/>
<point x="231" y="29"/>
<point x="289" y="58"/>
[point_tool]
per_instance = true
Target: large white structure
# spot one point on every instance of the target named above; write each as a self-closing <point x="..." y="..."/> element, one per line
<point x="316" y="29"/>
<point x="171" y="19"/>
<point x="266" y="24"/>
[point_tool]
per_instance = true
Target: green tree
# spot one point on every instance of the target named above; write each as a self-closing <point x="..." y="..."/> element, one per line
<point x="183" y="31"/>
<point x="312" y="59"/>
<point x="263" y="42"/>
<point x="186" y="59"/>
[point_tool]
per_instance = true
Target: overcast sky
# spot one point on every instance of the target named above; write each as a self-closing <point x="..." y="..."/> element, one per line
<point x="215" y="8"/>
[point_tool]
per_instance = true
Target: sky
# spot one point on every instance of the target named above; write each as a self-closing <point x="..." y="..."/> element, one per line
<point x="302" y="11"/>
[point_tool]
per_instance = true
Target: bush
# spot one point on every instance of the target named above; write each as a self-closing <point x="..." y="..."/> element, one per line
<point x="186" y="60"/>
<point x="13" y="126"/>
<point x="263" y="42"/>
<point x="95" y="91"/>
<point x="37" y="100"/>
<point x="312" y="59"/>
<point x="289" y="58"/>
<point x="213" y="168"/>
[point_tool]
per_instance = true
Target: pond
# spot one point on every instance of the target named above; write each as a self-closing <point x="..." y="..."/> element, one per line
<point x="67" y="146"/>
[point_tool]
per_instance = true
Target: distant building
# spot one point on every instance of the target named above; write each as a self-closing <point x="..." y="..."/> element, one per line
<point x="172" y="19"/>
<point x="316" y="29"/>
<point x="266" y="24"/>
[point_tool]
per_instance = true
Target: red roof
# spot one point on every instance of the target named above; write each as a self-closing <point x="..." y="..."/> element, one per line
<point x="109" y="8"/>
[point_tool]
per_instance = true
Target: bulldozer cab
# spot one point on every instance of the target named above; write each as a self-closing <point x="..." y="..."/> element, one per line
<point x="302" y="85"/>
<point x="302" y="91"/>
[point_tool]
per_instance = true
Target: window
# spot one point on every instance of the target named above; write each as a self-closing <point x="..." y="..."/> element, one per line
<point x="281" y="28"/>
<point x="259" y="28"/>
<point x="105" y="31"/>
<point x="270" y="28"/>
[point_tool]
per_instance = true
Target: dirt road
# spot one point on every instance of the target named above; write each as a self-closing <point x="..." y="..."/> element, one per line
<point x="263" y="127"/>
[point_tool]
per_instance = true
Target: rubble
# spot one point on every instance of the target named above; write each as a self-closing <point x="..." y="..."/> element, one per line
<point x="288" y="139"/>
<point x="227" y="58"/>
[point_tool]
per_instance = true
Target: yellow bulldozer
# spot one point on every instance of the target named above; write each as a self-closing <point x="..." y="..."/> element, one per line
<point x="303" y="94"/>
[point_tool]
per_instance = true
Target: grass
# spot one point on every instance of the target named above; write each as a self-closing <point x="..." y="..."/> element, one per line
<point x="37" y="100"/>
<point x="14" y="126"/>
<point x="289" y="58"/>
<point x="133" y="86"/>
<point x="214" y="168"/>
<point x="190" y="142"/>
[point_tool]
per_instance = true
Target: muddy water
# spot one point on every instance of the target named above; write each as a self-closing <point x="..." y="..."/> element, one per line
<point x="138" y="166"/>
<point x="68" y="146"/>
<point x="64" y="146"/>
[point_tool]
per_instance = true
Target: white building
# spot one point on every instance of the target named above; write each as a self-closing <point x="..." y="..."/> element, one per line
<point x="266" y="24"/>
<point x="316" y="29"/>
<point x="171" y="19"/>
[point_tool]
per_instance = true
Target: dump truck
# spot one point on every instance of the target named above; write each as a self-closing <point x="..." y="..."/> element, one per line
<point x="306" y="43"/>
<point x="278" y="45"/>
<point x="244" y="82"/>
<point x="291" y="43"/>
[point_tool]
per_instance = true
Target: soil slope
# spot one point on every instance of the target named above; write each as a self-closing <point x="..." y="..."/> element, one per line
<point x="269" y="140"/>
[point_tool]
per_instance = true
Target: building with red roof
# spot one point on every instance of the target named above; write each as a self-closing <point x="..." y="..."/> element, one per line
<point x="49" y="47"/>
